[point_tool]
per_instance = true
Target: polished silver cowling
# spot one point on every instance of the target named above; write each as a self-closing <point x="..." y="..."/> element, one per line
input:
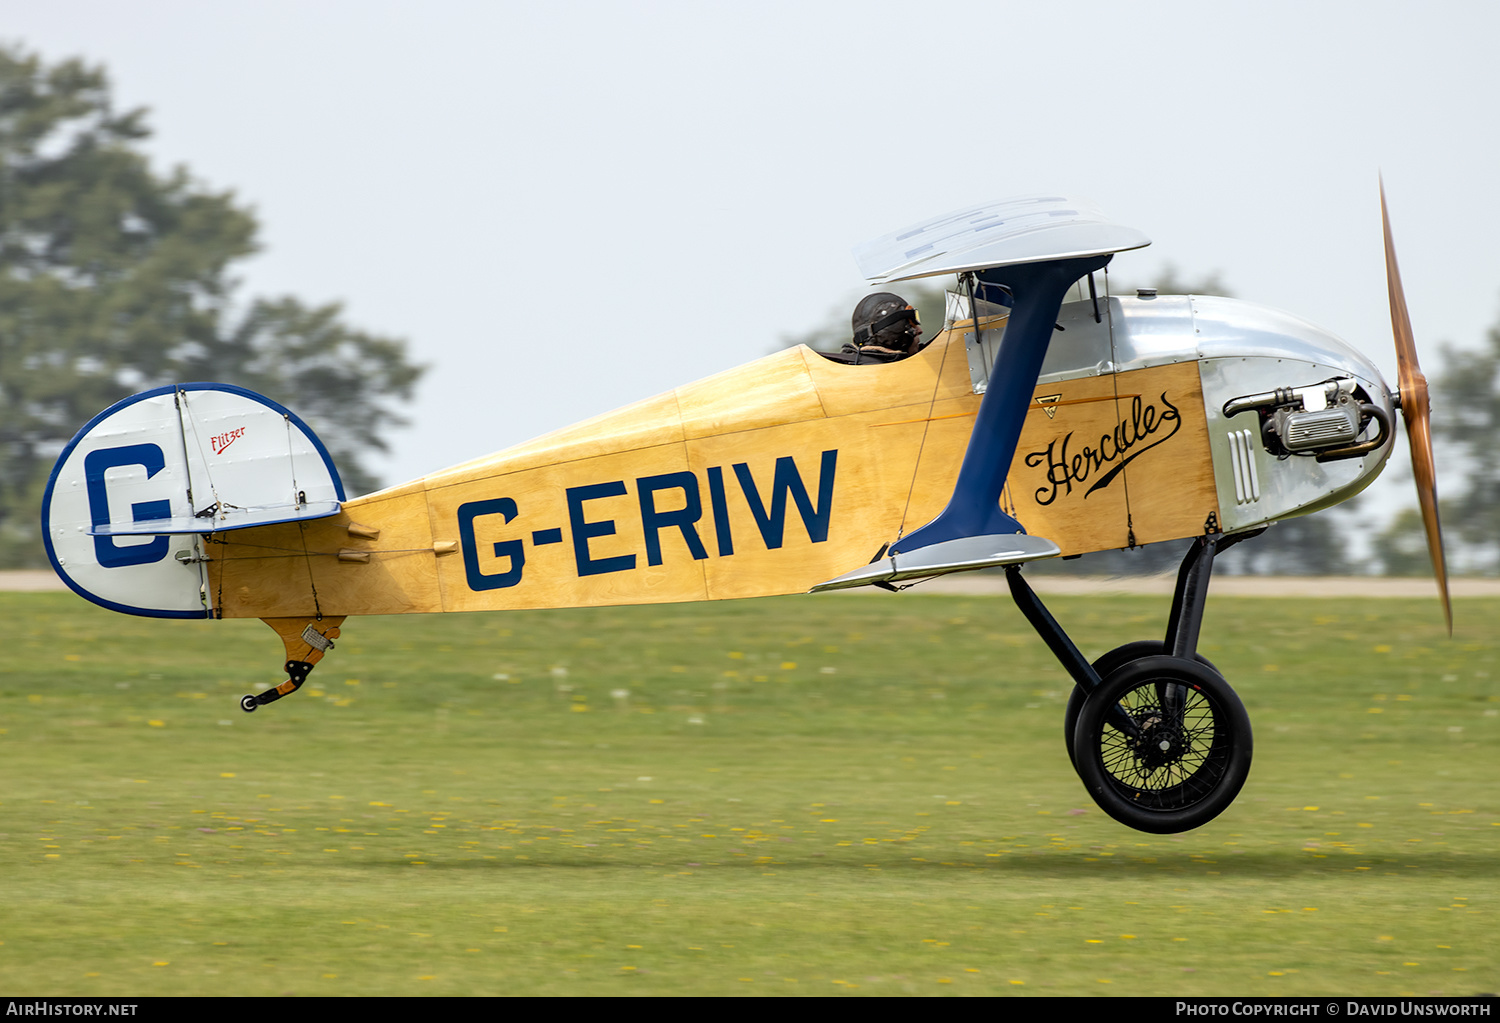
<point x="1297" y="419"/>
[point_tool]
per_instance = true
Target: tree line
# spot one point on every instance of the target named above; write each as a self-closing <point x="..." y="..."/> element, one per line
<point x="115" y="278"/>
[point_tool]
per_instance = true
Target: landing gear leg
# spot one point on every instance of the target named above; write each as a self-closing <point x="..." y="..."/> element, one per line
<point x="1183" y="624"/>
<point x="1085" y="676"/>
<point x="1190" y="596"/>
<point x="1158" y="737"/>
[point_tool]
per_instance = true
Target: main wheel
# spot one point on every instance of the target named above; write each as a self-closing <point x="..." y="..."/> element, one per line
<point x="1104" y="667"/>
<point x="1163" y="745"/>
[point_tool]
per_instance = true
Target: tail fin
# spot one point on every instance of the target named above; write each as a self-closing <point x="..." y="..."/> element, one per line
<point x="134" y="494"/>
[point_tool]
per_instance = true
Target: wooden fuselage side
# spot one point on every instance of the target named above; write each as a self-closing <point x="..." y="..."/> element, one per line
<point x="765" y="479"/>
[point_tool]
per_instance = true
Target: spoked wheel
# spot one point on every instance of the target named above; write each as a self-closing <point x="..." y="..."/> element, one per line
<point x="1163" y="745"/>
<point x="1105" y="666"/>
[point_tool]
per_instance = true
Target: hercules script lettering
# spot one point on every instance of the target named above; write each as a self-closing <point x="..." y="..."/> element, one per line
<point x="1132" y="437"/>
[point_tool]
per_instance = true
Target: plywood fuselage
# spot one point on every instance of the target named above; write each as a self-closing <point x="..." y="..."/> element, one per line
<point x="765" y="479"/>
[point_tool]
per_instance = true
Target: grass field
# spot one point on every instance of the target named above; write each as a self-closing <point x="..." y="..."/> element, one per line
<point x="857" y="794"/>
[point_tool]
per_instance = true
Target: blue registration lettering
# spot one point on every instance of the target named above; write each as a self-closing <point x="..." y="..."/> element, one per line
<point x="583" y="530"/>
<point x="653" y="520"/>
<point x="514" y="550"/>
<point x="720" y="505"/>
<point x="787" y="480"/>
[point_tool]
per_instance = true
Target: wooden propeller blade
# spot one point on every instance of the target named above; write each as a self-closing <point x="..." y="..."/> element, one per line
<point x="1416" y="410"/>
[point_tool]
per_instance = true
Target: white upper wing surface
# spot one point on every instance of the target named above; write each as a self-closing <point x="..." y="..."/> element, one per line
<point x="1029" y="229"/>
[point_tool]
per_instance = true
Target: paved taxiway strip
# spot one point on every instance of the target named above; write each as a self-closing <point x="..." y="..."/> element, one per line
<point x="1223" y="585"/>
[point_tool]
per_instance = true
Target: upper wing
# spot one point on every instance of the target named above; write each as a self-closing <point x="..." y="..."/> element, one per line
<point x="1031" y="229"/>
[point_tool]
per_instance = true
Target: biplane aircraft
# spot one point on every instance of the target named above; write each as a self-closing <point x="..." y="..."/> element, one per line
<point x="1030" y="427"/>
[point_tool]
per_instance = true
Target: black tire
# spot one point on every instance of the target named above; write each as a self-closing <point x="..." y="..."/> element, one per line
<point x="1105" y="666"/>
<point x="248" y="704"/>
<point x="1190" y="753"/>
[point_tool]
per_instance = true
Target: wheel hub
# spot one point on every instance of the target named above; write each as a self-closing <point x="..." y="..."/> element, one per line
<point x="1159" y="743"/>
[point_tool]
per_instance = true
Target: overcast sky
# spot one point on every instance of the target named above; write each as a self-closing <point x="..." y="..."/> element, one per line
<point x="564" y="207"/>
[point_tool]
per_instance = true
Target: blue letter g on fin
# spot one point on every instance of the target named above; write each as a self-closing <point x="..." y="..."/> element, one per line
<point x="94" y="467"/>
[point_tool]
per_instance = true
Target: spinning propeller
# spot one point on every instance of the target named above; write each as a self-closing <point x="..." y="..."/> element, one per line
<point x="1416" y="409"/>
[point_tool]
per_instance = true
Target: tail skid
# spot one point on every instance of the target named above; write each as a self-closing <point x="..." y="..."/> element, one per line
<point x="306" y="643"/>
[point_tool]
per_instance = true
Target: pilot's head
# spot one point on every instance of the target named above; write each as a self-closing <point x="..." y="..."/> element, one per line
<point x="886" y="321"/>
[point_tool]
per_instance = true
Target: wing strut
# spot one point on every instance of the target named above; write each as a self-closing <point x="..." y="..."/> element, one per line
<point x="974" y="508"/>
